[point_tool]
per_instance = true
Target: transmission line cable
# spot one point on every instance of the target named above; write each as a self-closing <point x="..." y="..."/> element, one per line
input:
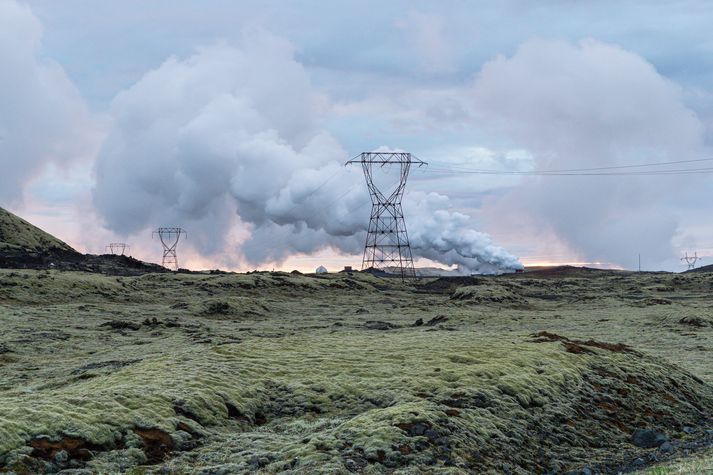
<point x="456" y="171"/>
<point x="613" y="167"/>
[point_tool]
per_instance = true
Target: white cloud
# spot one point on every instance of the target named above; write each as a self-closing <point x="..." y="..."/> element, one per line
<point x="43" y="118"/>
<point x="428" y="35"/>
<point x="591" y="104"/>
<point x="238" y="128"/>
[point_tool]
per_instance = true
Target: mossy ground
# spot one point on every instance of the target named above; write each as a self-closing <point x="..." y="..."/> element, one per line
<point x="231" y="373"/>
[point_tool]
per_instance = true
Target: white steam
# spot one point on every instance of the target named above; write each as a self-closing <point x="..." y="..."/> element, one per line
<point x="237" y="129"/>
<point x="591" y="105"/>
<point x="43" y="118"/>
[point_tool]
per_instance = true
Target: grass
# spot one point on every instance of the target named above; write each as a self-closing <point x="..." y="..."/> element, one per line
<point x="697" y="464"/>
<point x="274" y="372"/>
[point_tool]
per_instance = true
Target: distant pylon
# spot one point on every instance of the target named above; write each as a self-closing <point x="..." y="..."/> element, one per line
<point x="118" y="248"/>
<point x="691" y="260"/>
<point x="387" y="246"/>
<point x="169" y="238"/>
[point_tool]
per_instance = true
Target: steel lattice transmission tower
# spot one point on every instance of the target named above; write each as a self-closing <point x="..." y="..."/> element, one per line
<point x="691" y="260"/>
<point x="387" y="246"/>
<point x="118" y="248"/>
<point x="169" y="238"/>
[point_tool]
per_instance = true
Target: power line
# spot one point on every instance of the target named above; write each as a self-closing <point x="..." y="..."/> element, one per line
<point x="613" y="167"/>
<point x="641" y="170"/>
<point x="687" y="171"/>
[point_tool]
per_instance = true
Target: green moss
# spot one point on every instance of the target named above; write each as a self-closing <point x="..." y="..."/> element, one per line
<point x="16" y="233"/>
<point x="278" y="372"/>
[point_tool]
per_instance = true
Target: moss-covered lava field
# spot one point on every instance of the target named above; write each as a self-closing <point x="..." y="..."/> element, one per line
<point x="556" y="371"/>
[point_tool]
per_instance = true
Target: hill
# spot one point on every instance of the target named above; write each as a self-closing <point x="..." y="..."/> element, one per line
<point x="18" y="234"/>
<point x="25" y="246"/>
<point x="708" y="268"/>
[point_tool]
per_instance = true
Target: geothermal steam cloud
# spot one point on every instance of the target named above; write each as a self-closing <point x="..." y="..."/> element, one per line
<point x="238" y="128"/>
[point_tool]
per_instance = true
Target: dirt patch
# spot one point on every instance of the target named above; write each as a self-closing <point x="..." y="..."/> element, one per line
<point x="157" y="443"/>
<point x="580" y="346"/>
<point x="75" y="447"/>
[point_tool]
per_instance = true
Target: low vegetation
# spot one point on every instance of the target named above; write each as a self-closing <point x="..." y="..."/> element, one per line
<point x="557" y="371"/>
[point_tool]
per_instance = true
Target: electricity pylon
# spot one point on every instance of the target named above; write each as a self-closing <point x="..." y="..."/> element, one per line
<point x="169" y="238"/>
<point x="691" y="260"/>
<point x="387" y="246"/>
<point x="118" y="248"/>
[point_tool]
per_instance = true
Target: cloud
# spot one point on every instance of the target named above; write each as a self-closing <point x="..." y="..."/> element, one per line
<point x="236" y="130"/>
<point x="428" y="34"/>
<point x="591" y="104"/>
<point x="43" y="118"/>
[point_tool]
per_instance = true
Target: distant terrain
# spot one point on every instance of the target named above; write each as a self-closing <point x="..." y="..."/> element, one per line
<point x="24" y="246"/>
<point x="561" y="370"/>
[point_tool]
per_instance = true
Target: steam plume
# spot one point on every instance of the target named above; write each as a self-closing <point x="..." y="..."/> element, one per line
<point x="237" y="129"/>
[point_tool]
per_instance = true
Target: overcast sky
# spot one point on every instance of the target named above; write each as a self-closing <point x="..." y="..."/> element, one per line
<point x="231" y="119"/>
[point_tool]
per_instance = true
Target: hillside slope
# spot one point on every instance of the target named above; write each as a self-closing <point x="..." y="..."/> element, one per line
<point x="25" y="246"/>
<point x="16" y="233"/>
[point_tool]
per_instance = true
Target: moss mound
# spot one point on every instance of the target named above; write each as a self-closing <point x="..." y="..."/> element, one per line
<point x="486" y="294"/>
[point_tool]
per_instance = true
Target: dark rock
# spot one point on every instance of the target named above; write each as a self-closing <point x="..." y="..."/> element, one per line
<point x="219" y="308"/>
<point x="431" y="434"/>
<point x="693" y="321"/>
<point x="355" y="464"/>
<point x="418" y="322"/>
<point x="414" y="430"/>
<point x="151" y="322"/>
<point x="436" y="320"/>
<point x="181" y="408"/>
<point x="121" y="325"/>
<point x="666" y="447"/>
<point x="187" y="445"/>
<point x="378" y="325"/>
<point x="61" y="457"/>
<point x="647" y="438"/>
<point x="443" y="443"/>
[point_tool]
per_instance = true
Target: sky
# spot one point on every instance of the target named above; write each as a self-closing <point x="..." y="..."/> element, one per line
<point x="233" y="120"/>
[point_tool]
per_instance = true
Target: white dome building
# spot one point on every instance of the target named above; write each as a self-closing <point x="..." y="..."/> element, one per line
<point x="321" y="270"/>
